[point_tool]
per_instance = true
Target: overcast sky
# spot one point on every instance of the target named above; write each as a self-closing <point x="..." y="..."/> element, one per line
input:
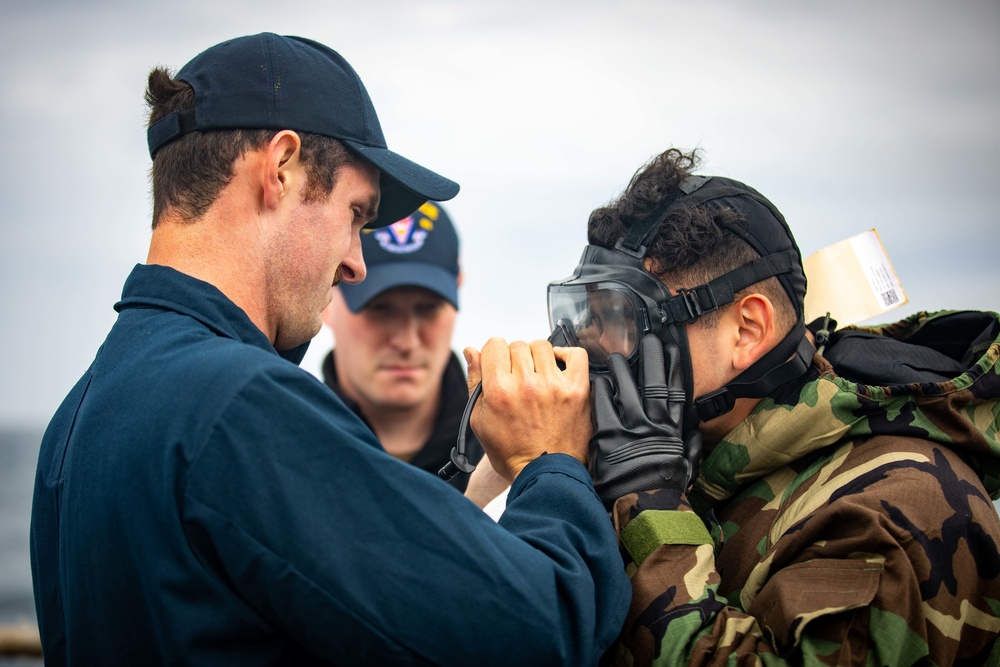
<point x="847" y="115"/>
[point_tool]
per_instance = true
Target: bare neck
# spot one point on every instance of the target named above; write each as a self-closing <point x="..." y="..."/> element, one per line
<point x="222" y="248"/>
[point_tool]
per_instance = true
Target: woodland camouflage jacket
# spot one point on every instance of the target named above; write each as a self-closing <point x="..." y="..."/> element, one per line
<point x="843" y="522"/>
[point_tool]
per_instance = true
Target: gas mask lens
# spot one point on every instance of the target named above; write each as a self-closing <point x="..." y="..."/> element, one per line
<point x="603" y="319"/>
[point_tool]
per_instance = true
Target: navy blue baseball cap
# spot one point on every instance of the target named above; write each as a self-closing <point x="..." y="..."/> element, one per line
<point x="270" y="81"/>
<point x="421" y="250"/>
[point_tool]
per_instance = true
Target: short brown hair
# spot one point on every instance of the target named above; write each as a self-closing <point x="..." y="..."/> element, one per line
<point x="189" y="173"/>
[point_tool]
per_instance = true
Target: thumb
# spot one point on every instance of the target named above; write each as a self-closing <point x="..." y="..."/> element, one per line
<point x="605" y="410"/>
<point x="474" y="372"/>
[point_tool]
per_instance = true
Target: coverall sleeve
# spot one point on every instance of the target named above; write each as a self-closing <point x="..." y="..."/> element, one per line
<point x="366" y="560"/>
<point x="869" y="573"/>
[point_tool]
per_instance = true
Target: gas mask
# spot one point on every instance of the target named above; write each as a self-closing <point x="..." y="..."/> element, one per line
<point x="611" y="301"/>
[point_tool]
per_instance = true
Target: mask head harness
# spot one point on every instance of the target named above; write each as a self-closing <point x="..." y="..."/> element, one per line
<point x="611" y="301"/>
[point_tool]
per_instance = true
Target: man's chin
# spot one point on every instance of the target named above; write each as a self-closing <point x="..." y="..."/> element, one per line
<point x="293" y="339"/>
<point x="395" y="399"/>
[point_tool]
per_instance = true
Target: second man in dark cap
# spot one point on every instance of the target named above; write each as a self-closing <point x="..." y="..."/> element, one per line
<point x="392" y="362"/>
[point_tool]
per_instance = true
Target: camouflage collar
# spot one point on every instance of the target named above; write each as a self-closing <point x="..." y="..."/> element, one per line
<point x="962" y="413"/>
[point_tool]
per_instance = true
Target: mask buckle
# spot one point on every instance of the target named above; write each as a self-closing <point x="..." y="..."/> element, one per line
<point x="716" y="403"/>
<point x="638" y="253"/>
<point x="688" y="302"/>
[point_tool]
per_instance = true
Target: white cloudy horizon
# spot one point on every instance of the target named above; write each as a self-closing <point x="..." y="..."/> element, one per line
<point x="847" y="116"/>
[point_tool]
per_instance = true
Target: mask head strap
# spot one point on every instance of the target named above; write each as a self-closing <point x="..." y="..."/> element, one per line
<point x="769" y="372"/>
<point x="636" y="241"/>
<point x="692" y="303"/>
<point x="792" y="356"/>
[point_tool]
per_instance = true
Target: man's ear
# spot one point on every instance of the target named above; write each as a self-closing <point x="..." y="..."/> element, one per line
<point x="280" y="166"/>
<point x="754" y="315"/>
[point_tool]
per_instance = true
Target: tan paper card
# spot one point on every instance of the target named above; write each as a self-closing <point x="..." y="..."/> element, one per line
<point x="853" y="280"/>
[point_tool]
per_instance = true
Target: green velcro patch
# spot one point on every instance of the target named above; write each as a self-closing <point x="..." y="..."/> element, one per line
<point x="655" y="527"/>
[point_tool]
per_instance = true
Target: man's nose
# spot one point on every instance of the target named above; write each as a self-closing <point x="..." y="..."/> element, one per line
<point x="405" y="331"/>
<point x="352" y="267"/>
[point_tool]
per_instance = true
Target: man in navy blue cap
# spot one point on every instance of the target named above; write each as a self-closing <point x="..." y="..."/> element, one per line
<point x="392" y="362"/>
<point x="200" y="499"/>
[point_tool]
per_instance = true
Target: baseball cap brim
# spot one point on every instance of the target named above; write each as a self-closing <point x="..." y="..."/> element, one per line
<point x="387" y="276"/>
<point x="405" y="184"/>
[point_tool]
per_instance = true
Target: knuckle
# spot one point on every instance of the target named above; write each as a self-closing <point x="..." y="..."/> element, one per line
<point x="494" y="341"/>
<point x="540" y="345"/>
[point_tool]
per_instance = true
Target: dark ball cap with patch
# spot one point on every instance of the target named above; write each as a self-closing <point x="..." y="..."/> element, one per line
<point x="269" y="81"/>
<point x="421" y="250"/>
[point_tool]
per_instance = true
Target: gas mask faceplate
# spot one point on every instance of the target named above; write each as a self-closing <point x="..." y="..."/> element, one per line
<point x="607" y="305"/>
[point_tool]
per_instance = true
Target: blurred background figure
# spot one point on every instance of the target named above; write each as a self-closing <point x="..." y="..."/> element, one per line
<point x="392" y="361"/>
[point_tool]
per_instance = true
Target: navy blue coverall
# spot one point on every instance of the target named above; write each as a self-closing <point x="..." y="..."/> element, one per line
<point x="202" y="500"/>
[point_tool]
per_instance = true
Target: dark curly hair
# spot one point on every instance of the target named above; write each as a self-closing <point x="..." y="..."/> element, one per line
<point x="188" y="173"/>
<point x="693" y="245"/>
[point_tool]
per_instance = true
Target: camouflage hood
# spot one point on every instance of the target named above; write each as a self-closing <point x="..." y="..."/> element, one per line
<point x="934" y="376"/>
